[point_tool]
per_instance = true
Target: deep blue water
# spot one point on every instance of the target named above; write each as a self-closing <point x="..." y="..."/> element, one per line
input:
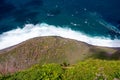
<point x="92" y="17"/>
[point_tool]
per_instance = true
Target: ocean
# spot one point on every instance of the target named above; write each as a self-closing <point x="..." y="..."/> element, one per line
<point x="96" y="22"/>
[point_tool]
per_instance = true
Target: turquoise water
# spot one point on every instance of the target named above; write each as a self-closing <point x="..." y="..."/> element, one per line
<point x="94" y="18"/>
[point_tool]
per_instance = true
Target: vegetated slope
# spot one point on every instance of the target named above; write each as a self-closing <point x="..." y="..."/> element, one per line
<point x="84" y="70"/>
<point x="50" y="50"/>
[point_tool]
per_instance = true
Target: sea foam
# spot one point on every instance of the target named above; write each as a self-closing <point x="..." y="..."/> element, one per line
<point x="29" y="31"/>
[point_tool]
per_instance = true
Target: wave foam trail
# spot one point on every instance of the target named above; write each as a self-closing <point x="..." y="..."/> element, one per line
<point x="19" y="35"/>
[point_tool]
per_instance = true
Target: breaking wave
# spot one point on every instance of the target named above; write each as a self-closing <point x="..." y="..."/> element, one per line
<point x="19" y="35"/>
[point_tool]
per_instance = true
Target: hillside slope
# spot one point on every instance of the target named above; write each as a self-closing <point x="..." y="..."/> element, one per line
<point x="50" y="50"/>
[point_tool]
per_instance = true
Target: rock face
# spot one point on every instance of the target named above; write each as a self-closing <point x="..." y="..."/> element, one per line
<point x="50" y="50"/>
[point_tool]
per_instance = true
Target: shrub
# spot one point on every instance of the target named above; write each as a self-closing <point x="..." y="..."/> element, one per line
<point x="84" y="70"/>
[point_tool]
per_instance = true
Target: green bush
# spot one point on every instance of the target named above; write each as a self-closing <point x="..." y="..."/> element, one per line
<point x="84" y="70"/>
<point x="94" y="70"/>
<point x="37" y="72"/>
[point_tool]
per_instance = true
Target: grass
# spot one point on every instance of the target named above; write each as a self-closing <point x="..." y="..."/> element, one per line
<point x="84" y="70"/>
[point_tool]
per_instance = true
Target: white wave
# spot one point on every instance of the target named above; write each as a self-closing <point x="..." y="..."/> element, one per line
<point x="19" y="35"/>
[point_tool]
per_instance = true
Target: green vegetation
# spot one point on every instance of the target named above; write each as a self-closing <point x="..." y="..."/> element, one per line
<point x="84" y="70"/>
<point x="94" y="70"/>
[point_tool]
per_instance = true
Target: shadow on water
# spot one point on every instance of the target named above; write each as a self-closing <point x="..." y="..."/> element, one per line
<point x="54" y="12"/>
<point x="5" y="28"/>
<point x="24" y="15"/>
<point x="28" y="12"/>
<point x="35" y="3"/>
<point x="1" y="2"/>
<point x="5" y="9"/>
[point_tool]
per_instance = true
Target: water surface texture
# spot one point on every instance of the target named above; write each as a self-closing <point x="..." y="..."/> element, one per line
<point x="96" y="20"/>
